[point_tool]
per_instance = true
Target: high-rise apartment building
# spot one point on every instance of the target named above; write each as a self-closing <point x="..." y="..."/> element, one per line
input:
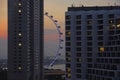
<point x="93" y="43"/>
<point x="25" y="39"/>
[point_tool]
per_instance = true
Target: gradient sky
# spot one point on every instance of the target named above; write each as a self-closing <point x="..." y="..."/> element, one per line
<point x="56" y="8"/>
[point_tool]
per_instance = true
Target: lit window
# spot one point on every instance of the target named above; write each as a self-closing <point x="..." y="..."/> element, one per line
<point x="19" y="11"/>
<point x="19" y="34"/>
<point x="68" y="33"/>
<point x="19" y="4"/>
<point x="102" y="49"/>
<point x="79" y="59"/>
<point x="118" y="26"/>
<point x="19" y="68"/>
<point x="69" y="75"/>
<point x="19" y="44"/>
<point x="68" y="59"/>
<point x="68" y="70"/>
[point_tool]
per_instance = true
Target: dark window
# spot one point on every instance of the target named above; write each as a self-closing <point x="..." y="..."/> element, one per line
<point x="78" y="27"/>
<point x="78" y="48"/>
<point x="78" y="22"/>
<point x="89" y="27"/>
<point x="100" y="32"/>
<point x="68" y="17"/>
<point x="100" y="21"/>
<point x="89" y="43"/>
<point x="89" y="59"/>
<point x="67" y="38"/>
<point x="68" y="44"/>
<point x="111" y="15"/>
<point x="78" y="43"/>
<point x="100" y="16"/>
<point x="100" y="37"/>
<point x="78" y="65"/>
<point x="89" y="38"/>
<point x="78" y="17"/>
<point x="78" y="38"/>
<point x="78" y="70"/>
<point x="78" y="76"/>
<point x="100" y="27"/>
<point x="67" y="49"/>
<point x="67" y="22"/>
<point x="89" y="16"/>
<point x="89" y="48"/>
<point x="68" y="65"/>
<point x="67" y="27"/>
<point x="78" y="54"/>
<point x="78" y="33"/>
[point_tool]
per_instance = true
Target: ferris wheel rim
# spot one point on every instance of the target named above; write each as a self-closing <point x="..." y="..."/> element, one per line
<point x="58" y="53"/>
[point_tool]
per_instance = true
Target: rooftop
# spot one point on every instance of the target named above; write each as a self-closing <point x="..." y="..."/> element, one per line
<point x="88" y="8"/>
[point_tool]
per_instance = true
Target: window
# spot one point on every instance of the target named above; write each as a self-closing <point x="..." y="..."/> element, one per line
<point x="100" y="43"/>
<point x="89" y="48"/>
<point x="100" y="16"/>
<point x="67" y="38"/>
<point x="68" y="17"/>
<point x="100" y="37"/>
<point x="67" y="27"/>
<point x="78" y="33"/>
<point x="100" y="32"/>
<point x="78" y="17"/>
<point x="89" y="27"/>
<point x="78" y="27"/>
<point x="68" y="65"/>
<point x="78" y="22"/>
<point x="89" y="16"/>
<point x="68" y="59"/>
<point x="68" y="54"/>
<point x="78" y="65"/>
<point x="100" y="21"/>
<point x="78" y="38"/>
<point x="89" y="22"/>
<point x="89" y="38"/>
<point x="68" y="44"/>
<point x="68" y="33"/>
<point x="79" y="59"/>
<point x="78" y="48"/>
<point x="111" y="21"/>
<point x="78" y="54"/>
<point x="67" y="22"/>
<point x="78" y="70"/>
<point x="100" y="27"/>
<point x="78" y="43"/>
<point x="67" y="49"/>
<point x="111" y="15"/>
<point x="89" y="54"/>
<point x="89" y="59"/>
<point x="89" y="43"/>
<point x="89" y="32"/>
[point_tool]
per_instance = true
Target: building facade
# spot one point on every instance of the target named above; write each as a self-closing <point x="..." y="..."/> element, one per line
<point x="93" y="43"/>
<point x="25" y="39"/>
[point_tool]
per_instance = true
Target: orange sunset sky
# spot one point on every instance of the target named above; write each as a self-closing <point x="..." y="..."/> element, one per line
<point x="56" y="8"/>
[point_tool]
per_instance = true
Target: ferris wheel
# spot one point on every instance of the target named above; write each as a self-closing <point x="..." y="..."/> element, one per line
<point x="60" y="45"/>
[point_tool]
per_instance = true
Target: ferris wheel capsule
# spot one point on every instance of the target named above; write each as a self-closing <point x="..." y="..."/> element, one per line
<point x="46" y="13"/>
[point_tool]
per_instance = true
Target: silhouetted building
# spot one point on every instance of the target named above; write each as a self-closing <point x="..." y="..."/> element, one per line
<point x="25" y="39"/>
<point x="3" y="74"/>
<point x="93" y="43"/>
